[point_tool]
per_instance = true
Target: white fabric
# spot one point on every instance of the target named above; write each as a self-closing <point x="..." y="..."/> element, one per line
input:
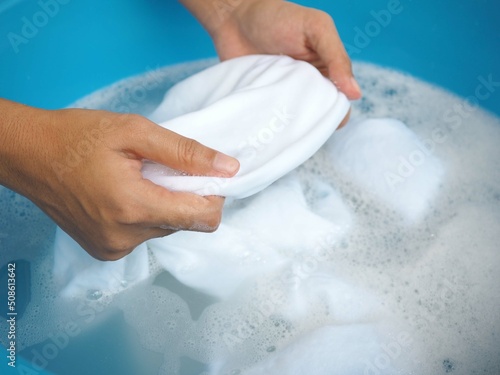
<point x="264" y="235"/>
<point x="79" y="274"/>
<point x="227" y="107"/>
<point x="387" y="159"/>
<point x="270" y="112"/>
<point x="273" y="113"/>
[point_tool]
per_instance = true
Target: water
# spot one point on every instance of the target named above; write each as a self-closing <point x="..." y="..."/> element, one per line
<point x="392" y="297"/>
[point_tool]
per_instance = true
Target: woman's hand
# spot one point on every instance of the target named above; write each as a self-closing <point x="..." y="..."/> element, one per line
<point x="244" y="27"/>
<point x="83" y="168"/>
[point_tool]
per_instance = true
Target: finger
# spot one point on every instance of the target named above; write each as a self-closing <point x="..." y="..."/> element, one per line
<point x="168" y="148"/>
<point x="345" y="120"/>
<point x="175" y="211"/>
<point x="325" y="40"/>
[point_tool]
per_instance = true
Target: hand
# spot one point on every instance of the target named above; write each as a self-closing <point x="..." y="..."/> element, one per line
<point x="279" y="27"/>
<point x="83" y="168"/>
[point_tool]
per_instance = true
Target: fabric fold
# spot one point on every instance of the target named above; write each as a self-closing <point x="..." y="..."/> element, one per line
<point x="272" y="113"/>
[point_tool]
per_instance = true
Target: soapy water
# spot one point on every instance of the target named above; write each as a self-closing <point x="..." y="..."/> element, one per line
<point x="393" y="296"/>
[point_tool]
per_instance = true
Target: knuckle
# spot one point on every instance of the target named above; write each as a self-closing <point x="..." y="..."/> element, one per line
<point x="116" y="238"/>
<point x="132" y="120"/>
<point x="133" y="124"/>
<point x="325" y="18"/>
<point x="187" y="150"/>
<point x="115" y="247"/>
<point x="322" y="19"/>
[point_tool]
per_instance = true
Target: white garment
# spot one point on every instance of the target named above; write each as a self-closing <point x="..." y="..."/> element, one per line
<point x="229" y="107"/>
<point x="272" y="113"/>
<point x="81" y="275"/>
<point x="256" y="239"/>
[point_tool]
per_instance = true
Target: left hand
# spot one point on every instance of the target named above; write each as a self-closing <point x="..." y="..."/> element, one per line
<point x="280" y="27"/>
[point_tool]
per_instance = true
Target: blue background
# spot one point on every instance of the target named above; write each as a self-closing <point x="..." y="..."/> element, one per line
<point x="89" y="44"/>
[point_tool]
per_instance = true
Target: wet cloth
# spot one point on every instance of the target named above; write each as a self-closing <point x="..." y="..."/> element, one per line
<point x="272" y="113"/>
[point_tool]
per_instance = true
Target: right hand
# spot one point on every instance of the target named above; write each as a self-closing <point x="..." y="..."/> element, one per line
<point x="83" y="168"/>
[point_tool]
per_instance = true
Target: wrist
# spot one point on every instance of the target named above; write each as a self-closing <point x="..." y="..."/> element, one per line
<point x="215" y="15"/>
<point x="24" y="147"/>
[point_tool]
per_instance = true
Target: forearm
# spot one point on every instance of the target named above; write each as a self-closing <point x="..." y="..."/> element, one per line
<point x="214" y="13"/>
<point x="22" y="131"/>
<point x="203" y="11"/>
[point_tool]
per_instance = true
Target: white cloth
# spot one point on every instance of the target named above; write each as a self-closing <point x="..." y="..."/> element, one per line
<point x="81" y="275"/>
<point x="264" y="235"/>
<point x="232" y="107"/>
<point x="272" y="113"/>
<point x="384" y="157"/>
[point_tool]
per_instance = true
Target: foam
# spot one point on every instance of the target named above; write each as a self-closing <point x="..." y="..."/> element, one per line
<point x="77" y="272"/>
<point x="328" y="348"/>
<point x="434" y="278"/>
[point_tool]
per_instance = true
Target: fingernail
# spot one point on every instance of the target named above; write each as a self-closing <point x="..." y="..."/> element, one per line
<point x="226" y="164"/>
<point x="355" y="85"/>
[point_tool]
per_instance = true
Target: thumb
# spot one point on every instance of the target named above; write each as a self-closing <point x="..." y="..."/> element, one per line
<point x="184" y="154"/>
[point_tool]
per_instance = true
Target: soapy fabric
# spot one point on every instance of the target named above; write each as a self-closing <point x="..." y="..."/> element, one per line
<point x="272" y="113"/>
<point x="250" y="242"/>
<point x="315" y="309"/>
